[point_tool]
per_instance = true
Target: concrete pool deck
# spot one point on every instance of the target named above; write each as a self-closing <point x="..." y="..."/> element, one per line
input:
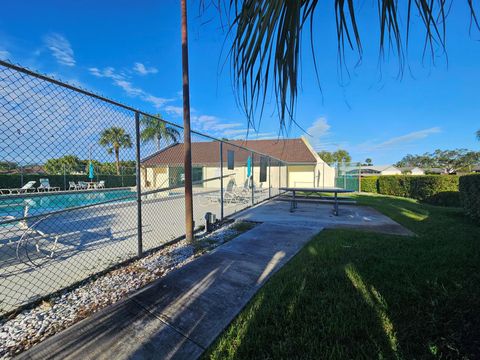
<point x="91" y="240"/>
<point x="180" y="315"/>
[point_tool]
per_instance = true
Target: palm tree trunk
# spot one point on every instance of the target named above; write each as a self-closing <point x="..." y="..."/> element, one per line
<point x="186" y="128"/>
<point x="117" y="159"/>
<point x="158" y="142"/>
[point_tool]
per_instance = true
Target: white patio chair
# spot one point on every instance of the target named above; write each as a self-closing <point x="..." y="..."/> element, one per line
<point x="100" y="185"/>
<point x="82" y="185"/>
<point x="29" y="186"/>
<point x="45" y="186"/>
<point x="72" y="186"/>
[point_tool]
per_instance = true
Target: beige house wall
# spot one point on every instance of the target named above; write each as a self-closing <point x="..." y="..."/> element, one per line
<point x="154" y="177"/>
<point x="320" y="175"/>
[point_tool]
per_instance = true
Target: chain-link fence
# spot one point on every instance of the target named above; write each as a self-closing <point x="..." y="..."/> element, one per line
<point x="87" y="183"/>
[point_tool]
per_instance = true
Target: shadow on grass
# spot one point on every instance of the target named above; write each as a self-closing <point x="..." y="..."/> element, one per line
<point x="351" y="294"/>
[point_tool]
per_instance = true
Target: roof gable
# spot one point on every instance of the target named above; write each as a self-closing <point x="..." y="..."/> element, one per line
<point x="208" y="152"/>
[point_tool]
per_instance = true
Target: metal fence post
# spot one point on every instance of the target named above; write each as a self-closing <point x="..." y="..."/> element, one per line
<point x="279" y="176"/>
<point x="252" y="164"/>
<point x="221" y="180"/>
<point x="64" y="178"/>
<point x="139" y="184"/>
<point x="359" y="177"/>
<point x="269" y="180"/>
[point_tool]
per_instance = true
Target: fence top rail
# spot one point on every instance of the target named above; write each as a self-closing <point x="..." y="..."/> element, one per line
<point x="52" y="80"/>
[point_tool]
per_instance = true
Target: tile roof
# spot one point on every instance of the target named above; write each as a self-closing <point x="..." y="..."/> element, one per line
<point x="289" y="150"/>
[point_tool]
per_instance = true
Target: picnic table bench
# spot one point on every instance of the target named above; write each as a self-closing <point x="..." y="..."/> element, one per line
<point x="312" y="191"/>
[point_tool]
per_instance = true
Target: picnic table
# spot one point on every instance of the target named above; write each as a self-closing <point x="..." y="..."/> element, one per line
<point x="312" y="191"/>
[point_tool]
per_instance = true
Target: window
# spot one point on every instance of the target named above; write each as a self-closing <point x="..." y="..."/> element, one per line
<point x="176" y="175"/>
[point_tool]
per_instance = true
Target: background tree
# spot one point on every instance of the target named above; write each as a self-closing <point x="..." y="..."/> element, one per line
<point x="342" y="156"/>
<point x="335" y="157"/>
<point x="114" y="139"/>
<point x="478" y="134"/>
<point x="8" y="165"/>
<point x="450" y="161"/>
<point x="155" y="130"/>
<point x="326" y="156"/>
<point x="67" y="164"/>
<point x="368" y="162"/>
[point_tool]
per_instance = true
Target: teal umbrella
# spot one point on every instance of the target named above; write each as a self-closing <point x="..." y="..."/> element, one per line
<point x="249" y="166"/>
<point x="91" y="172"/>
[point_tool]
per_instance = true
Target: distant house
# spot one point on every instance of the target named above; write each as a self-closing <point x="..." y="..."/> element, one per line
<point x="379" y="170"/>
<point x="476" y="168"/>
<point x="412" y="171"/>
<point x="302" y="168"/>
<point x="436" y="171"/>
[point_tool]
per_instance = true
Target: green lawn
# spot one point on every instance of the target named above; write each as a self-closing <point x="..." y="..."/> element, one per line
<point x="351" y="294"/>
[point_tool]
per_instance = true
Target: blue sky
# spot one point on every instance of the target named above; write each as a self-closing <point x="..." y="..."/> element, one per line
<point x="132" y="53"/>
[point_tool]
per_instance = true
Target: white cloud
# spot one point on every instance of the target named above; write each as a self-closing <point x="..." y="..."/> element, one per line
<point x="4" y="54"/>
<point x="235" y="132"/>
<point x="121" y="80"/>
<point x="318" y="131"/>
<point x="141" y="69"/>
<point x="399" y="141"/>
<point x="174" y="110"/>
<point x="60" y="48"/>
<point x="129" y="88"/>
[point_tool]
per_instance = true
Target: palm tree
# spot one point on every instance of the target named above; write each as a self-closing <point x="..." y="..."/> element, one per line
<point x="113" y="139"/>
<point x="267" y="35"/>
<point x="478" y="135"/>
<point x="155" y="130"/>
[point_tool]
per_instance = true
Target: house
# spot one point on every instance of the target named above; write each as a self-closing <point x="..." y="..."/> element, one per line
<point x="302" y="166"/>
<point x="476" y="169"/>
<point x="412" y="170"/>
<point x="373" y="170"/>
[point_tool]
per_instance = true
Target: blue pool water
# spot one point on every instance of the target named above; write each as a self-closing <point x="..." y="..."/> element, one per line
<point x="15" y="207"/>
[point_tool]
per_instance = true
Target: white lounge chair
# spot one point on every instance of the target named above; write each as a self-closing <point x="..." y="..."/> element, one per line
<point x="231" y="194"/>
<point x="82" y="185"/>
<point x="100" y="185"/>
<point x="29" y="186"/>
<point x="45" y="186"/>
<point x="72" y="186"/>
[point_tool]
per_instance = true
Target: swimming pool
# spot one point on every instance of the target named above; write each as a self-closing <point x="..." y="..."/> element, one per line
<point x="40" y="204"/>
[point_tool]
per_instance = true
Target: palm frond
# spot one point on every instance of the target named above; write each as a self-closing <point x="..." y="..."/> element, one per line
<point x="267" y="37"/>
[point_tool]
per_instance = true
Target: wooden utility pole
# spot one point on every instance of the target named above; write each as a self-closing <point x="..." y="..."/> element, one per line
<point x="186" y="128"/>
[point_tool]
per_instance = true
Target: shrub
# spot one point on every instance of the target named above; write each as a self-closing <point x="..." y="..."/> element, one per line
<point x="418" y="187"/>
<point x="369" y="184"/>
<point x="397" y="185"/>
<point x="470" y="195"/>
<point x="424" y="187"/>
<point x="445" y="198"/>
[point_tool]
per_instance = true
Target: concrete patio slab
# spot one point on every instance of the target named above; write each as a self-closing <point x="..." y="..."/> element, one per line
<point x="180" y="315"/>
<point x="319" y="214"/>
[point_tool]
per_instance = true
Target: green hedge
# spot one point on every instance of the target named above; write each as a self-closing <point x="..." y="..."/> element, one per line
<point x="470" y="195"/>
<point x="446" y="198"/>
<point x="111" y="181"/>
<point x="397" y="185"/>
<point x="425" y="187"/>
<point x="433" y="189"/>
<point x="369" y="184"/>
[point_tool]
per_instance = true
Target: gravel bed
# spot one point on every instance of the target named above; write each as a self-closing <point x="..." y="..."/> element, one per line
<point x="36" y="324"/>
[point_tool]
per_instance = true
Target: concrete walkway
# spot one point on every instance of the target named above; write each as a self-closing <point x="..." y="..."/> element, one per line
<point x="180" y="315"/>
